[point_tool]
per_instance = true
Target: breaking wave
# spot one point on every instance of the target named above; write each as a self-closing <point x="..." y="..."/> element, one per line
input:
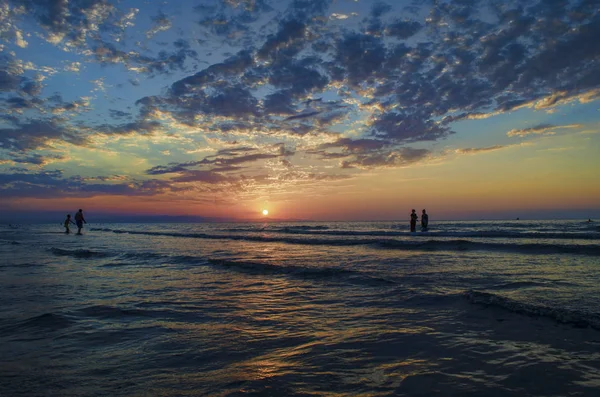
<point x="577" y="318"/>
<point x="80" y="253"/>
<point x="466" y="245"/>
<point x="413" y="244"/>
<point x="318" y="273"/>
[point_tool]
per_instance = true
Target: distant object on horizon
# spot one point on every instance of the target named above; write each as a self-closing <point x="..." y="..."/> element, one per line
<point x="590" y="220"/>
<point x="518" y="218"/>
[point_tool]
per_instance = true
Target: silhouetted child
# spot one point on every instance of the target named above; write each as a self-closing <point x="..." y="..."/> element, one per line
<point x="413" y="221"/>
<point x="67" y="222"/>
<point x="424" y="220"/>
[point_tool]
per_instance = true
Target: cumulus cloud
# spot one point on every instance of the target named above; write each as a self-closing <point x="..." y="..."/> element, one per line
<point x="8" y="81"/>
<point x="35" y="158"/>
<point x="70" y="22"/>
<point x="36" y="134"/>
<point x="161" y="22"/>
<point x="387" y="159"/>
<point x="73" y="67"/>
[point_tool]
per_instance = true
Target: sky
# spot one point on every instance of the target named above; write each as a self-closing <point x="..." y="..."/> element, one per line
<point x="310" y="109"/>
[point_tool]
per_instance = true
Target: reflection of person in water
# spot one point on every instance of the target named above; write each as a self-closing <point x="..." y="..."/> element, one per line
<point x="424" y="220"/>
<point x="413" y="221"/>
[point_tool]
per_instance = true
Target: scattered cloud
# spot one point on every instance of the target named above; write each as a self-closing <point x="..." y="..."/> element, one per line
<point x="251" y="90"/>
<point x="161" y="23"/>
<point x="541" y="129"/>
<point x="73" y="67"/>
<point x="480" y="149"/>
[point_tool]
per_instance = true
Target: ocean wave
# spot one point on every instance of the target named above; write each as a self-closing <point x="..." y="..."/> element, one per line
<point x="79" y="253"/>
<point x="521" y="284"/>
<point x="103" y="311"/>
<point x="260" y="238"/>
<point x="141" y="255"/>
<point x="430" y="234"/>
<point x="577" y="318"/>
<point x="151" y="256"/>
<point x="319" y="273"/>
<point x="10" y="242"/>
<point x="466" y="245"/>
<point x="46" y="321"/>
<point x="323" y="231"/>
<point x="20" y="265"/>
<point x="250" y="267"/>
<point x="416" y="244"/>
<point x="117" y="264"/>
<point x="278" y="229"/>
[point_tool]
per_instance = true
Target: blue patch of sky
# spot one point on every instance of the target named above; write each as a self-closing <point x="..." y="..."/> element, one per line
<point x="493" y="130"/>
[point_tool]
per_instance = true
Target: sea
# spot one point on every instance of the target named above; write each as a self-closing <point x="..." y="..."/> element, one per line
<point x="473" y="308"/>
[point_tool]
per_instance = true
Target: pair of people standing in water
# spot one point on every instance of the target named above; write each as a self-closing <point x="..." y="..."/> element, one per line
<point x="413" y="221"/>
<point x="79" y="221"/>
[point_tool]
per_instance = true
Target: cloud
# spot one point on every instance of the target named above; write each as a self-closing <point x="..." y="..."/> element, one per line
<point x="141" y="127"/>
<point x="209" y="177"/>
<point x="35" y="159"/>
<point x="327" y="111"/>
<point x="78" y="106"/>
<point x="355" y="145"/>
<point x="107" y="53"/>
<point x="73" y="67"/>
<point x="231" y="68"/>
<point x="361" y="57"/>
<point x="480" y="149"/>
<point x="369" y="153"/>
<point x="215" y="166"/>
<point x="161" y="23"/>
<point x="233" y="77"/>
<point x="36" y="134"/>
<point x="49" y="184"/>
<point x="8" y="81"/>
<point x="540" y="129"/>
<point x="70" y="22"/>
<point x="339" y="16"/>
<point x="387" y="159"/>
<point x="289" y="37"/>
<point x="118" y="113"/>
<point x="402" y="29"/>
<point x="408" y="128"/>
<point x="380" y="8"/>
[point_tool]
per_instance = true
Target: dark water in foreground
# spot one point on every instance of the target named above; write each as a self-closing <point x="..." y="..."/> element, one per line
<point x="301" y="309"/>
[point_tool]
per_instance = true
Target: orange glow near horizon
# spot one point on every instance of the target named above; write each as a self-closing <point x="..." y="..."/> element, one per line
<point x="511" y="181"/>
<point x="325" y="130"/>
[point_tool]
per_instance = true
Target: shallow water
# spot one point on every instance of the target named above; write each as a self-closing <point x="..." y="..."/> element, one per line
<point x="301" y="309"/>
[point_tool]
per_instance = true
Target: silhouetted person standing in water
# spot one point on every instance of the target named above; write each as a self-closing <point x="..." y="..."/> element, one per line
<point x="80" y="220"/>
<point x="68" y="221"/>
<point x="424" y="220"/>
<point x="413" y="221"/>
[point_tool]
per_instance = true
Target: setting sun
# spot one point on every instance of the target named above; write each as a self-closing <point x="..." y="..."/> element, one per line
<point x="265" y="212"/>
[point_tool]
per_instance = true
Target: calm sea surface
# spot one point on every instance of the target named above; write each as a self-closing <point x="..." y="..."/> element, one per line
<point x="506" y="308"/>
